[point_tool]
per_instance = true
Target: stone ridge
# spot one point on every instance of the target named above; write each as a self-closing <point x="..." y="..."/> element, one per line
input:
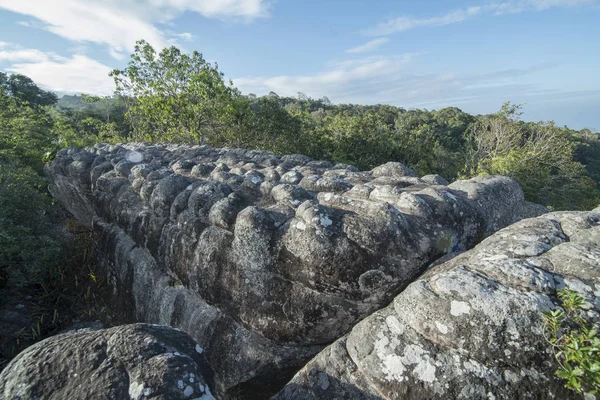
<point x="470" y="328"/>
<point x="288" y="253"/>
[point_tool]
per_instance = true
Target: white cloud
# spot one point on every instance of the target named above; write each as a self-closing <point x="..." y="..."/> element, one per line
<point x="120" y="23"/>
<point x="544" y="4"/>
<point x="75" y="74"/>
<point x="341" y="81"/>
<point x="369" y="46"/>
<point x="395" y="80"/>
<point x="405" y="23"/>
<point x="26" y="55"/>
<point x="31" y="24"/>
<point x="216" y="8"/>
<point x="186" y="36"/>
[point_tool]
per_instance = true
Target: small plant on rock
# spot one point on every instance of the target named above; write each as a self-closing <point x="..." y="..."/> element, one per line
<point x="575" y="344"/>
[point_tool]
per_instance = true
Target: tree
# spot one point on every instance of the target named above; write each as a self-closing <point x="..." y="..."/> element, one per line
<point x="538" y="155"/>
<point x="25" y="90"/>
<point x="173" y="96"/>
<point x="25" y="131"/>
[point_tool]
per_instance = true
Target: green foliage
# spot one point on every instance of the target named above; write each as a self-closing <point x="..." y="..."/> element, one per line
<point x="173" y="96"/>
<point x="575" y="344"/>
<point x="29" y="131"/>
<point x="362" y="140"/>
<point x="25" y="132"/>
<point x="25" y="90"/>
<point x="538" y="155"/>
<point x="37" y="256"/>
<point x="28" y="243"/>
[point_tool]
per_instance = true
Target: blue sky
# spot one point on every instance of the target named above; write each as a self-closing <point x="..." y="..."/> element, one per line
<point x="410" y="53"/>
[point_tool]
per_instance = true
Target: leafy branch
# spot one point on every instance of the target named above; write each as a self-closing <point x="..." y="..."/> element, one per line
<point x="575" y="344"/>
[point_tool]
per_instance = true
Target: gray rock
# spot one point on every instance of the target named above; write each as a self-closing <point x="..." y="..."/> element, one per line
<point x="393" y="170"/>
<point x="128" y="362"/>
<point x="471" y="327"/>
<point x="435" y="179"/>
<point x="499" y="198"/>
<point x="264" y="274"/>
<point x="292" y="177"/>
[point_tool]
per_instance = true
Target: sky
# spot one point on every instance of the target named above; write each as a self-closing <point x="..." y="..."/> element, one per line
<point x="475" y="55"/>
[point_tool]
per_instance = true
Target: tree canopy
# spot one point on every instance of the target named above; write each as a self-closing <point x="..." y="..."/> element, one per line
<point x="173" y="96"/>
<point x="25" y="90"/>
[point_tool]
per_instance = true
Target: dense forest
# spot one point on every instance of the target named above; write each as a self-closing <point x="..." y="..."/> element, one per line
<point x="176" y="97"/>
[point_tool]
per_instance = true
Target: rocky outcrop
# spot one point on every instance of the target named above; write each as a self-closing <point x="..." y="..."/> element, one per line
<point x="470" y="328"/>
<point x="264" y="259"/>
<point x="128" y="362"/>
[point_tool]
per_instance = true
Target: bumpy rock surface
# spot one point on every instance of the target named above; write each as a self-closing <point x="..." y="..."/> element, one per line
<point x="135" y="362"/>
<point x="470" y="328"/>
<point x="266" y="259"/>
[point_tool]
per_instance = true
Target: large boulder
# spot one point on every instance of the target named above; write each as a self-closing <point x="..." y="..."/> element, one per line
<point x="135" y="362"/>
<point x="469" y="328"/>
<point x="499" y="198"/>
<point x="274" y="257"/>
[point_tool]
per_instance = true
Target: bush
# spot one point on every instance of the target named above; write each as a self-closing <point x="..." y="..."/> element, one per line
<point x="28" y="245"/>
<point x="576" y="346"/>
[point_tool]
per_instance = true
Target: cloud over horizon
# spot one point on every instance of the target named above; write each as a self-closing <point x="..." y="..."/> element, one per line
<point x="75" y="74"/>
<point x="390" y="80"/>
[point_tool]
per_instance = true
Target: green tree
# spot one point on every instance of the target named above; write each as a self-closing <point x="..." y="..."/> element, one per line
<point x="25" y="90"/>
<point x="538" y="155"/>
<point x="25" y="131"/>
<point x="173" y="96"/>
<point x="362" y="140"/>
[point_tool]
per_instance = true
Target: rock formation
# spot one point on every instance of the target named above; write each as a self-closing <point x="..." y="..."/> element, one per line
<point x="127" y="362"/>
<point x="470" y="328"/>
<point x="264" y="260"/>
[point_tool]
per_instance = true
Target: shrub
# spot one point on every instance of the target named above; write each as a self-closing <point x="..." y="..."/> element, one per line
<point x="575" y="344"/>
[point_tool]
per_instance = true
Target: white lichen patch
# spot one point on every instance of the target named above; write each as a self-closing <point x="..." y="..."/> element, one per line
<point x="188" y="391"/>
<point x="511" y="377"/>
<point x="300" y="225"/>
<point x="136" y="390"/>
<point x="458" y="308"/>
<point x="325" y="221"/>
<point x="425" y="371"/>
<point x="481" y="371"/>
<point x="394" y="325"/>
<point x="441" y="327"/>
<point x="413" y="354"/>
<point x="393" y="368"/>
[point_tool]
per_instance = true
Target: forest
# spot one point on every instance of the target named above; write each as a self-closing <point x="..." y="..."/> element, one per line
<point x="171" y="96"/>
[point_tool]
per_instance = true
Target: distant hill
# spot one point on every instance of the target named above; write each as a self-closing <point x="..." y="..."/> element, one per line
<point x="74" y="102"/>
<point x="77" y="103"/>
